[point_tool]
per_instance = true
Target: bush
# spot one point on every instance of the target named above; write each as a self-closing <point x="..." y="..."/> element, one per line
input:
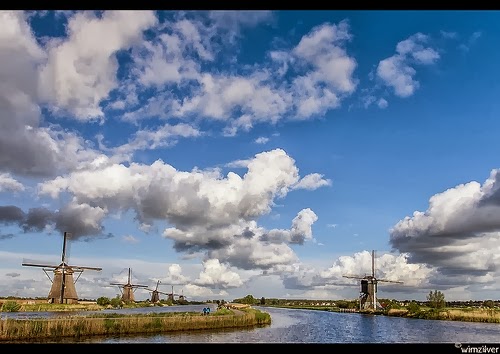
<point x="116" y="302"/>
<point x="413" y="307"/>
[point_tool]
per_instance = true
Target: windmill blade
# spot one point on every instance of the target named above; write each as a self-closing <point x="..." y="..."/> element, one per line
<point x="117" y="284"/>
<point x="138" y="286"/>
<point x="353" y="276"/>
<point x="83" y="268"/>
<point x="390" y="281"/>
<point x="41" y="265"/>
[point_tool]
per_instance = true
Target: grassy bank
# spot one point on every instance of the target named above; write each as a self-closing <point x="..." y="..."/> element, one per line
<point x="119" y="324"/>
<point x="449" y="314"/>
<point x="452" y="314"/>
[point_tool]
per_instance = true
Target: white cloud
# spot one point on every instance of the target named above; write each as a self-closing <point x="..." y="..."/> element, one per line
<point x="398" y="72"/>
<point x="331" y="76"/>
<point x="81" y="70"/>
<point x="217" y="275"/>
<point x="323" y="77"/>
<point x="7" y="183"/>
<point x="174" y="276"/>
<point x="238" y="164"/>
<point x="261" y="140"/>
<point x="312" y="181"/>
<point x="208" y="212"/>
<point x="458" y="233"/>
<point x="387" y="267"/>
<point x="26" y="148"/>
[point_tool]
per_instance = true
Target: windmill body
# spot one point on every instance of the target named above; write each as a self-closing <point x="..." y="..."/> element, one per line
<point x="128" y="289"/>
<point x="63" y="288"/>
<point x="368" y="292"/>
<point x="172" y="294"/>
<point x="155" y="294"/>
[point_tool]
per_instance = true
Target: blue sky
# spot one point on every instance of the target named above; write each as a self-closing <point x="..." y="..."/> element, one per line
<point x="229" y="153"/>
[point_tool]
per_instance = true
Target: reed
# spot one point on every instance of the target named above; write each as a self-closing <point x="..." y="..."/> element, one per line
<point x="115" y="324"/>
<point x="464" y="315"/>
<point x="475" y="315"/>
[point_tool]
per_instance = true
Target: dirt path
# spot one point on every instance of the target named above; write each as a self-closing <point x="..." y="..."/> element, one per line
<point x="238" y="312"/>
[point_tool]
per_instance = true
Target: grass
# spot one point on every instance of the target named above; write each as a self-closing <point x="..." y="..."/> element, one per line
<point x="451" y="314"/>
<point x="121" y="324"/>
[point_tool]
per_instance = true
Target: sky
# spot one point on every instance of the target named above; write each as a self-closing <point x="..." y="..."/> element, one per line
<point x="227" y="153"/>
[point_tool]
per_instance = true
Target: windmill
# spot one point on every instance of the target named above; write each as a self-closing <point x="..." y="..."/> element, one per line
<point x="171" y="295"/>
<point x="368" y="293"/>
<point x="181" y="296"/>
<point x="155" y="294"/>
<point x="128" y="289"/>
<point x="63" y="287"/>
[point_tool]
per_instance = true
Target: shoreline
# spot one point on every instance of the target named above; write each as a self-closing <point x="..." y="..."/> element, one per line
<point x="446" y="314"/>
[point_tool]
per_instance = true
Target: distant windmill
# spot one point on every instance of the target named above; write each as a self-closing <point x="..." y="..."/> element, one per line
<point x="155" y="294"/>
<point x="171" y="295"/>
<point x="63" y="287"/>
<point x="128" y="289"/>
<point x="181" y="296"/>
<point x="368" y="293"/>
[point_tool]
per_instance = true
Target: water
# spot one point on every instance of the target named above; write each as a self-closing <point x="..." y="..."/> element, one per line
<point x="310" y="326"/>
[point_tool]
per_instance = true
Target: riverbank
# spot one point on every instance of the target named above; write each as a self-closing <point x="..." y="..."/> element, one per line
<point x="119" y="324"/>
<point x="463" y="315"/>
<point x="446" y="314"/>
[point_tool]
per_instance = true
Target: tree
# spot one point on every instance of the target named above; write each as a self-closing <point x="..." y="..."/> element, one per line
<point x="489" y="303"/>
<point x="103" y="301"/>
<point x="262" y="300"/>
<point x="436" y="299"/>
<point x="249" y="299"/>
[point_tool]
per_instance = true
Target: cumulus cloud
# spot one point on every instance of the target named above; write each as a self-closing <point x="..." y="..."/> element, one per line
<point x="208" y="212"/>
<point x="389" y="267"/>
<point x="28" y="146"/>
<point x="398" y="71"/>
<point x="217" y="275"/>
<point x="459" y="233"/>
<point x="174" y="276"/>
<point x="81" y="70"/>
<point x="331" y="76"/>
